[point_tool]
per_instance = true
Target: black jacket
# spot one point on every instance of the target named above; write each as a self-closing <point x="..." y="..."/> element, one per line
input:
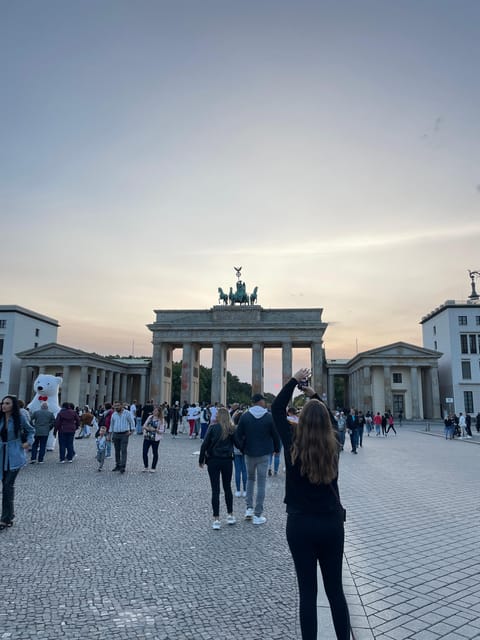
<point x="214" y="447"/>
<point x="301" y="496"/>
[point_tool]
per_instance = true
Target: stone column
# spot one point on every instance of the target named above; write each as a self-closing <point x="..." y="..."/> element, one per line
<point x="116" y="387"/>
<point x="387" y="385"/>
<point x="82" y="394"/>
<point x="92" y="392"/>
<point x="109" y="391"/>
<point x="101" y="387"/>
<point x="331" y="391"/>
<point x="161" y="373"/>
<point x="436" y="402"/>
<point x="317" y="367"/>
<point x="186" y="365"/>
<point x="156" y="374"/>
<point x="143" y="386"/>
<point x="123" y="388"/>
<point x="286" y="362"/>
<point x="415" y="396"/>
<point x="354" y="390"/>
<point x="42" y="369"/>
<point x="257" y="368"/>
<point x="219" y="373"/>
<point x="367" y="390"/>
<point x="347" y="400"/>
<point x="22" y="388"/>
<point x="65" y="384"/>
<point x="190" y="373"/>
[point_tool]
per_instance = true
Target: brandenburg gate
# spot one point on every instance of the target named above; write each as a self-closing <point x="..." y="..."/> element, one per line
<point x="236" y="323"/>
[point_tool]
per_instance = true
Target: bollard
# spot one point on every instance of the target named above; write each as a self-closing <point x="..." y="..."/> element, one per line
<point x="427" y="427"/>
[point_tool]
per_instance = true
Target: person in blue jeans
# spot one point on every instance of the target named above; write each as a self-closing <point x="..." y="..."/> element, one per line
<point x="16" y="436"/>
<point x="257" y="437"/>
<point x="66" y="423"/>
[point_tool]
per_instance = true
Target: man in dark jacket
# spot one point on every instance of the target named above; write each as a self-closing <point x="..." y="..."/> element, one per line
<point x="257" y="438"/>
<point x="66" y="423"/>
<point x="43" y="420"/>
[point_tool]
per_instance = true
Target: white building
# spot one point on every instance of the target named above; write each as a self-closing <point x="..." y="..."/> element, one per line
<point x="453" y="328"/>
<point x="20" y="329"/>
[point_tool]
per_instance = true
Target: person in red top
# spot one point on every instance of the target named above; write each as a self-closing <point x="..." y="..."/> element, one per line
<point x="377" y="421"/>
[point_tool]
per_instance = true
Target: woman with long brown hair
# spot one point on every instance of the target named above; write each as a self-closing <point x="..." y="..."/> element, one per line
<point x="16" y="435"/>
<point x="315" y="516"/>
<point x="217" y="452"/>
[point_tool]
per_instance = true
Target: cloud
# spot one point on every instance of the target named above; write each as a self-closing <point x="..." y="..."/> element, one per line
<point x="334" y="245"/>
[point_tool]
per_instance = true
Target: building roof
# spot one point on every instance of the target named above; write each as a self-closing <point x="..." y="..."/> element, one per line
<point x="14" y="308"/>
<point x="449" y="304"/>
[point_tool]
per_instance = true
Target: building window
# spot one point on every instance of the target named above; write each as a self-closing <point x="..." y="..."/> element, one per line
<point x="468" y="401"/>
<point x="0" y="370"/>
<point x="463" y="343"/>
<point x="462" y="320"/>
<point x="3" y="324"/>
<point x="434" y="330"/>
<point x="37" y="332"/>
<point x="35" y="345"/>
<point x="435" y="345"/>
<point x="466" y="370"/>
<point x="1" y="346"/>
<point x="398" y="405"/>
<point x="477" y="321"/>
<point x="397" y="378"/>
<point x="473" y="343"/>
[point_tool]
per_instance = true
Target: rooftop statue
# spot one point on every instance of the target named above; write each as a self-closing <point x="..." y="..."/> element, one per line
<point x="240" y="295"/>
<point x="474" y="295"/>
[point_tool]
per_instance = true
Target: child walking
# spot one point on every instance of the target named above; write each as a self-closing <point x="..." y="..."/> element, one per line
<point x="101" y="447"/>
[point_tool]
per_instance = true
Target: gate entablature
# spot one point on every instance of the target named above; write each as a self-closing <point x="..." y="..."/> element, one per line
<point x="231" y="326"/>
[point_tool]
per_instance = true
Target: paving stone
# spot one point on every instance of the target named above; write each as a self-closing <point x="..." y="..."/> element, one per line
<point x="134" y="556"/>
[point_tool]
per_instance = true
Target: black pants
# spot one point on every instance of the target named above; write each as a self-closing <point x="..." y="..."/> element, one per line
<point x="174" y="427"/>
<point x="146" y="446"/>
<point x="120" y="443"/>
<point x="221" y="467"/>
<point x="8" y="493"/>
<point x="312" y="539"/>
<point x="390" y="426"/>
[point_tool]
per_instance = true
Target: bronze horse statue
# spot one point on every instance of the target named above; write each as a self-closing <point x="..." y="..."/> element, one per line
<point x="253" y="296"/>
<point x="222" y="296"/>
<point x="240" y="295"/>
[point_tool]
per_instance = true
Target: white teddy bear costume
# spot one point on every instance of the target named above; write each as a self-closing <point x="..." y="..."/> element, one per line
<point x="46" y="390"/>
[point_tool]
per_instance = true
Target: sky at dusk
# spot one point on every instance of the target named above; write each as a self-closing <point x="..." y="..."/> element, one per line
<point x="329" y="148"/>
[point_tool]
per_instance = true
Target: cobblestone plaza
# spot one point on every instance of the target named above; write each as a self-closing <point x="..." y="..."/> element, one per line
<point x="98" y="555"/>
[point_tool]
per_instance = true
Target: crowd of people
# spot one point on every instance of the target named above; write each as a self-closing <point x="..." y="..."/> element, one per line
<point x="237" y="441"/>
<point x="460" y="426"/>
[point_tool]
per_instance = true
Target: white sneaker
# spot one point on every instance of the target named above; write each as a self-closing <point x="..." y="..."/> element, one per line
<point x="238" y="494"/>
<point x="152" y="470"/>
<point x="249" y="514"/>
<point x="145" y="469"/>
<point x="244" y="494"/>
<point x="259" y="519"/>
<point x="216" y="524"/>
<point x="231" y="519"/>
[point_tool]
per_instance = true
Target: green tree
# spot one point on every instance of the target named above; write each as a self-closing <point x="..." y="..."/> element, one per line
<point x="236" y="391"/>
